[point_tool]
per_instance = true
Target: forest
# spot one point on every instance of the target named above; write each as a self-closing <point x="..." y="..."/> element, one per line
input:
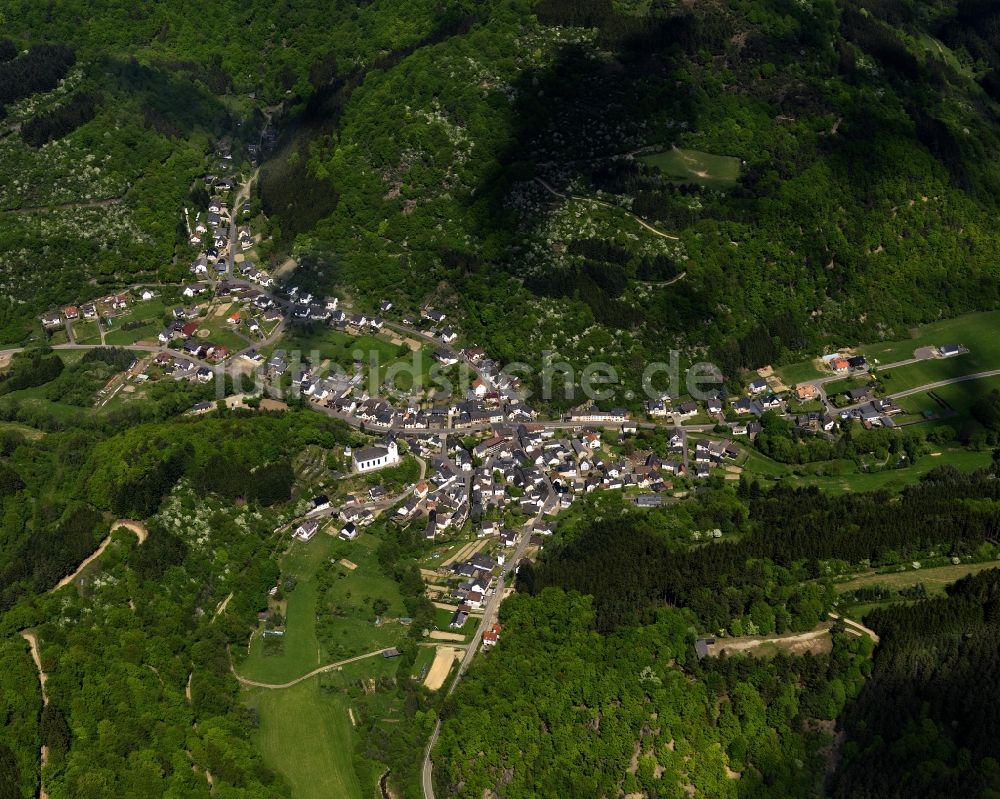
<point x="557" y="710"/>
<point x="767" y="577"/>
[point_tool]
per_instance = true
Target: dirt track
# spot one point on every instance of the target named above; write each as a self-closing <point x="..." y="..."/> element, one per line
<point x="793" y="644"/>
<point x="136" y="527"/>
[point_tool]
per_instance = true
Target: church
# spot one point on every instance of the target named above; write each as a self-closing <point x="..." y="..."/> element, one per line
<point x="371" y="458"/>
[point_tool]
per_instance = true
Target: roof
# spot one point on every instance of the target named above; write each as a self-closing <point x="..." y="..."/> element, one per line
<point x="370" y="453"/>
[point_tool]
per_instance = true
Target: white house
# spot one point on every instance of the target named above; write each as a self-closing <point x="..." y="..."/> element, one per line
<point x="306" y="530"/>
<point x="371" y="458"/>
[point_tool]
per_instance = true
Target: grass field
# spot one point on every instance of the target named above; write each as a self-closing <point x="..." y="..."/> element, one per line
<point x="86" y="331"/>
<point x="841" y="386"/>
<point x="800" y="372"/>
<point x="407" y="368"/>
<point x="222" y="333"/>
<point x="148" y="314"/>
<point x="329" y="615"/>
<point x="306" y="736"/>
<point x="934" y="579"/>
<point x="974" y="331"/>
<point x="957" y="399"/>
<point x="847" y="478"/>
<point x="694" y="166"/>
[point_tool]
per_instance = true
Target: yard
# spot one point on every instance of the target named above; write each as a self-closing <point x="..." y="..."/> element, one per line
<point x="694" y="166"/>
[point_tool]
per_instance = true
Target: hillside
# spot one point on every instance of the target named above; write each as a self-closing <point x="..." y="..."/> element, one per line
<point x="806" y="171"/>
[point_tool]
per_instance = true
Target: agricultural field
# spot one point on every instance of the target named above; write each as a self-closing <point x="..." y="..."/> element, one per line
<point x="694" y="166"/>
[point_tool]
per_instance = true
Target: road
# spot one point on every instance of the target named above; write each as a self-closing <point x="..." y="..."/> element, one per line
<point x="489" y="617"/>
<point x="931" y="387"/>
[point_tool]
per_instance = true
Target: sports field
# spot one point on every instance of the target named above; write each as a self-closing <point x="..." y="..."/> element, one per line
<point x="694" y="166"/>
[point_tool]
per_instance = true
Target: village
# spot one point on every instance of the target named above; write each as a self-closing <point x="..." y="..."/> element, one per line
<point x="490" y="468"/>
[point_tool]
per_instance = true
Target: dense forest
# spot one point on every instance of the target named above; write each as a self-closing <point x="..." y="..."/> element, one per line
<point x="766" y="578"/>
<point x="559" y="710"/>
<point x="925" y="724"/>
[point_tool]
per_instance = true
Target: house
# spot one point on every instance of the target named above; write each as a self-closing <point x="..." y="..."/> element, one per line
<point x="444" y="357"/>
<point x="649" y="500"/>
<point x="433" y="316"/>
<point x="458" y="620"/>
<point x="234" y="318"/>
<point x="758" y="386"/>
<point x="806" y="392"/>
<point x="857" y="362"/>
<point x="950" y="350"/>
<point x="71" y="312"/>
<point x="52" y="320"/>
<point x="839" y="365"/>
<point x="321" y="502"/>
<point x="448" y="335"/>
<point x="369" y="459"/>
<point x="306" y="530"/>
<point x="349" y="532"/>
<point x="385" y="306"/>
<point x="860" y="394"/>
<point x="656" y="408"/>
<point x="90" y="311"/>
<point x="701" y="647"/>
<point x="491" y="636"/>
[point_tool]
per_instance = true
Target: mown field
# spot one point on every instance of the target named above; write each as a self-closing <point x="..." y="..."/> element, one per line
<point x="934" y="579"/>
<point x="841" y="476"/>
<point x="694" y="166"/>
<point x="975" y="331"/>
<point x="305" y="734"/>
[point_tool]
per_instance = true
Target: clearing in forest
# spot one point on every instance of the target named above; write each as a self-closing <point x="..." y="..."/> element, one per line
<point x="694" y="166"/>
